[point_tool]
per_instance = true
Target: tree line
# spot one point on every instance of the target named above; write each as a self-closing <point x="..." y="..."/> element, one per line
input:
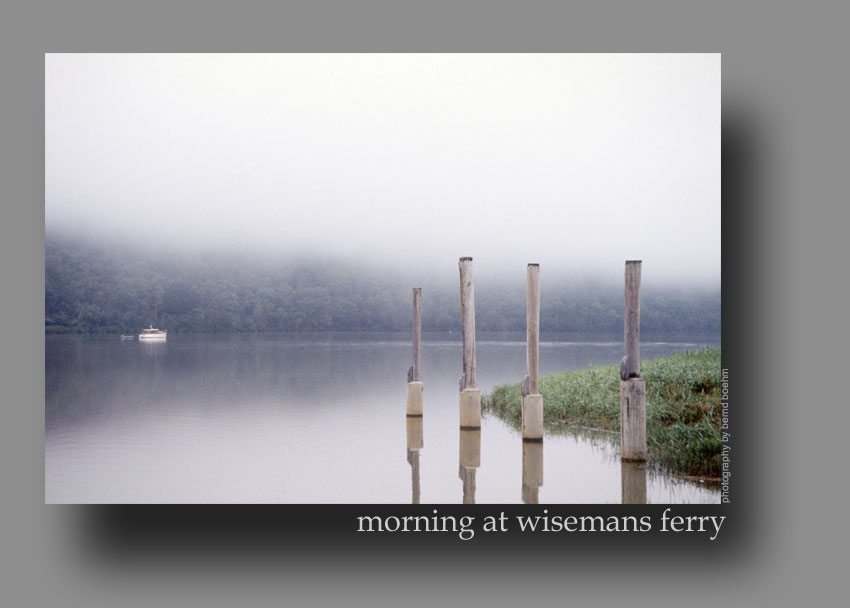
<point x="91" y="289"/>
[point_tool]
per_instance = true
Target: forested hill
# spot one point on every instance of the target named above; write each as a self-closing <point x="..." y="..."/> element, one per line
<point x="91" y="289"/>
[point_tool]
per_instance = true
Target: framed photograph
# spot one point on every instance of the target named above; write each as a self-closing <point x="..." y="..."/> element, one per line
<point x="383" y="278"/>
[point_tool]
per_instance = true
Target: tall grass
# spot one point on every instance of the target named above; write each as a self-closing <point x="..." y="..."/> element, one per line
<point x="682" y="407"/>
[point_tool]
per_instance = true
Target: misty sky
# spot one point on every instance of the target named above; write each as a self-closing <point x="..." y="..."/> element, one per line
<point x="577" y="162"/>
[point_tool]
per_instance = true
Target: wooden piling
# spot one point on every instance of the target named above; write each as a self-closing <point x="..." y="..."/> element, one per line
<point x="632" y="386"/>
<point x="532" y="327"/>
<point x="470" y="396"/>
<point x="633" y="420"/>
<point x="415" y="388"/>
<point x="467" y="311"/>
<point x="415" y="398"/>
<point x="469" y="448"/>
<point x="631" y="324"/>
<point x="532" y="400"/>
<point x="417" y="334"/>
<point x="532" y="418"/>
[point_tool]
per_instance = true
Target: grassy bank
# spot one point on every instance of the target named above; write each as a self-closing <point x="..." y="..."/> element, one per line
<point x="682" y="407"/>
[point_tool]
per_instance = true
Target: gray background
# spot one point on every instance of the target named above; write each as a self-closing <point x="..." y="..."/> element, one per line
<point x="785" y="92"/>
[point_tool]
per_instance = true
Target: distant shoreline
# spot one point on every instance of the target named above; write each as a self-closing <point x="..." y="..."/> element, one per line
<point x="546" y="336"/>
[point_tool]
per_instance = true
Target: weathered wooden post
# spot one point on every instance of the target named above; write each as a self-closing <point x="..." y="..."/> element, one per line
<point x="633" y="483"/>
<point x="469" y="459"/>
<point x="415" y="443"/>
<point x="532" y="471"/>
<point x="470" y="396"/>
<point x="631" y="321"/>
<point x="632" y="386"/>
<point x="415" y="388"/>
<point x="532" y="400"/>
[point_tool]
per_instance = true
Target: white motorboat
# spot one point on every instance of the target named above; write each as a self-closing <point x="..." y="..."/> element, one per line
<point x="151" y="333"/>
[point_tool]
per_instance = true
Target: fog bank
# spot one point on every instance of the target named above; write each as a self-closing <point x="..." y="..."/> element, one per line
<point x="576" y="162"/>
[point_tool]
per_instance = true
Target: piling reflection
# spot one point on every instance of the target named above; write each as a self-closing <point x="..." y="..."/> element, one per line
<point x="469" y="461"/>
<point x="633" y="479"/>
<point x="415" y="443"/>
<point x="532" y="471"/>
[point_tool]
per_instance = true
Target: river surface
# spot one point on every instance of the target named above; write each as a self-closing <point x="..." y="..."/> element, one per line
<point x="320" y="418"/>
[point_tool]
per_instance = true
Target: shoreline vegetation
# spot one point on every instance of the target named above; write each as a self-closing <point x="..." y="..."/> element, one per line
<point x="682" y="408"/>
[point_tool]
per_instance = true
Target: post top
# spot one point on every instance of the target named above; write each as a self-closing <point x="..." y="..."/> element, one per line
<point x="466" y="259"/>
<point x="535" y="264"/>
<point x="633" y="261"/>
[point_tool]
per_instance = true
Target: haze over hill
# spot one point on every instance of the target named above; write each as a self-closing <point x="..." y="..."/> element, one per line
<point x="94" y="288"/>
<point x="397" y="163"/>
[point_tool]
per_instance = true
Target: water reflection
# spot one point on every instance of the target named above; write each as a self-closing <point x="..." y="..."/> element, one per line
<point x="415" y="442"/>
<point x="151" y="349"/>
<point x="228" y="418"/>
<point x="532" y="471"/>
<point x="470" y="460"/>
<point x="633" y="481"/>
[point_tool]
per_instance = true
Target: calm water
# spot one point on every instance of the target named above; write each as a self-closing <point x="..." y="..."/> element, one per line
<point x="318" y="418"/>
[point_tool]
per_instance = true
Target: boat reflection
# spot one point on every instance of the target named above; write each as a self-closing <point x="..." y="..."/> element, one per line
<point x="152" y="349"/>
<point x="532" y="471"/>
<point x="415" y="443"/>
<point x="469" y="461"/>
<point x="633" y="480"/>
